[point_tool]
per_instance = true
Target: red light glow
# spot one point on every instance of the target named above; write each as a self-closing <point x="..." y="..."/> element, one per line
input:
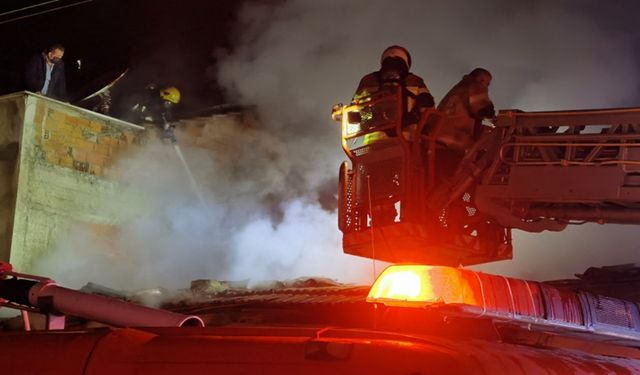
<point x="419" y="286"/>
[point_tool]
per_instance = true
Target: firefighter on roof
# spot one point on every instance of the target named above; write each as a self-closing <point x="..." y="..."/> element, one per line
<point x="157" y="108"/>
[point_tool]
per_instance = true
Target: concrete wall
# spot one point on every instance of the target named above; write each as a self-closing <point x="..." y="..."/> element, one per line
<point x="11" y="118"/>
<point x="62" y="173"/>
<point x="59" y="168"/>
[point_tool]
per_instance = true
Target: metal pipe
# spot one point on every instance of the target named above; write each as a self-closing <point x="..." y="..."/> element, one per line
<point x="568" y="118"/>
<point x="579" y="140"/>
<point x="50" y="296"/>
<point x="592" y="214"/>
<point x="45" y="296"/>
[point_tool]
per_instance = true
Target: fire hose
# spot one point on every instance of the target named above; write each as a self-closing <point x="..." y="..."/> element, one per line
<point x="45" y="296"/>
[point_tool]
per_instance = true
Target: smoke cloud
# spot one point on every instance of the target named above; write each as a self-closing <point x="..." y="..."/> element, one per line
<point x="296" y="60"/>
<point x="264" y="216"/>
<point x="234" y="233"/>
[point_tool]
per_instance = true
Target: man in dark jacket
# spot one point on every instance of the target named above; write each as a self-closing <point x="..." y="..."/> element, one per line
<point x="45" y="74"/>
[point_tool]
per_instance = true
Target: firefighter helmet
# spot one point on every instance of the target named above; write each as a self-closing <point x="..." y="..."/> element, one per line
<point x="170" y="94"/>
<point x="479" y="72"/>
<point x="398" y="51"/>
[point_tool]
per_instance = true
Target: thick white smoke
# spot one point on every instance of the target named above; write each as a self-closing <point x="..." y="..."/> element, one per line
<point x="232" y="234"/>
<point x="265" y="217"/>
<point x="296" y="60"/>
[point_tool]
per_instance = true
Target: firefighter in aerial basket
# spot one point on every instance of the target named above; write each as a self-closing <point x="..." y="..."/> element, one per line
<point x="157" y="109"/>
<point x="395" y="63"/>
<point x="467" y="104"/>
<point x="394" y="73"/>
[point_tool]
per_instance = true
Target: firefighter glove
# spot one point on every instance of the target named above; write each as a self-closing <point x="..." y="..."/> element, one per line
<point x="487" y="112"/>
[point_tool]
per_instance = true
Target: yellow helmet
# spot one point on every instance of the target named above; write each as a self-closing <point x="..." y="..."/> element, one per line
<point x="170" y="94"/>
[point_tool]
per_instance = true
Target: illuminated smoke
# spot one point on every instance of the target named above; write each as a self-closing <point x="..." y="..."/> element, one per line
<point x="293" y="61"/>
<point x="233" y="236"/>
<point x="297" y="60"/>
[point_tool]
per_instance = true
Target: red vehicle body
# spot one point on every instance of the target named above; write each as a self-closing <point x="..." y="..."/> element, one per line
<point x="464" y="323"/>
<point x="280" y="350"/>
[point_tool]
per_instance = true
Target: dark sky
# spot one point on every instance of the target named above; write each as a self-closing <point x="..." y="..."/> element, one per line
<point x="168" y="42"/>
<point x="172" y="42"/>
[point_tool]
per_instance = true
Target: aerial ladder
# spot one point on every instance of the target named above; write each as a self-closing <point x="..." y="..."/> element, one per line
<point x="400" y="201"/>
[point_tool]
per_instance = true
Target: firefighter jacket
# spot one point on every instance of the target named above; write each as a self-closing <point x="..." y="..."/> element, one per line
<point x="465" y="105"/>
<point x="414" y="85"/>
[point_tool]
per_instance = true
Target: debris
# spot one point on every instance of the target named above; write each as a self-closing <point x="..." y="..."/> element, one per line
<point x="102" y="290"/>
<point x="206" y="286"/>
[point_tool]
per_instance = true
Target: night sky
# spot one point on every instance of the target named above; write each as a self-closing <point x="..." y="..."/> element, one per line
<point x="173" y="42"/>
<point x="166" y="42"/>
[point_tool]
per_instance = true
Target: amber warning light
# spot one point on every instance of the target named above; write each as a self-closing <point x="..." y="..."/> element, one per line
<point x="422" y="286"/>
<point x="538" y="306"/>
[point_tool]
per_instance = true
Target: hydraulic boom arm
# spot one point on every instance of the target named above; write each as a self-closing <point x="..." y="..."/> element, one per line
<point x="406" y="196"/>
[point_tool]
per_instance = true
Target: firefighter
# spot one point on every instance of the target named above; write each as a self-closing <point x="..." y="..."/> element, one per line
<point x="157" y="109"/>
<point x="395" y="63"/>
<point x="466" y="105"/>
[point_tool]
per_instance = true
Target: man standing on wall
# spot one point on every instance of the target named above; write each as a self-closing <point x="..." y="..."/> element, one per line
<point x="45" y="73"/>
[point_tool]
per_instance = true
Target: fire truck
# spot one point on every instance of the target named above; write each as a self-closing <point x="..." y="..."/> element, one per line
<point x="415" y="319"/>
<point x="395" y="205"/>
